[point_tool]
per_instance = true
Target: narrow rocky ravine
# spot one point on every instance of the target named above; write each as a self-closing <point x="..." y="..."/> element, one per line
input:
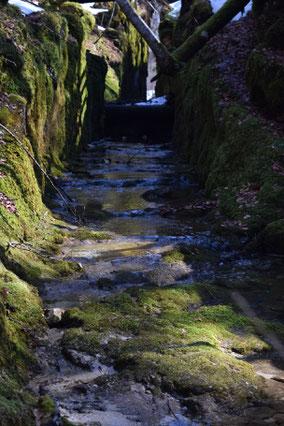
<point x="100" y="371"/>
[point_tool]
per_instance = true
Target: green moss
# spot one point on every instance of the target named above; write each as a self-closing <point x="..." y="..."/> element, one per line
<point x="86" y="234"/>
<point x="189" y="253"/>
<point x="167" y="345"/>
<point x="234" y="151"/>
<point x="20" y="314"/>
<point x="6" y="117"/>
<point x="271" y="238"/>
<point x="12" y="56"/>
<point x="66" y="422"/>
<point x="46" y="404"/>
<point x="111" y="85"/>
<point x="196" y="371"/>
<point x="190" y="19"/>
<point x="78" y="340"/>
<point x="63" y="268"/>
<point x="134" y="64"/>
<point x="22" y="300"/>
<point x="80" y="22"/>
<point x="173" y="256"/>
<point x="265" y="90"/>
<point x="13" y="411"/>
<point x="43" y="77"/>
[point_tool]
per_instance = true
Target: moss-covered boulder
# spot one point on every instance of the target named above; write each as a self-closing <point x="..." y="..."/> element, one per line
<point x="189" y="253"/>
<point x="21" y="316"/>
<point x="265" y="80"/>
<point x="169" y="340"/>
<point x="271" y="238"/>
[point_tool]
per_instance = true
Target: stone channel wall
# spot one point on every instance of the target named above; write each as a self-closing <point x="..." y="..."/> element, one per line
<point x="229" y="118"/>
<point x="44" y="84"/>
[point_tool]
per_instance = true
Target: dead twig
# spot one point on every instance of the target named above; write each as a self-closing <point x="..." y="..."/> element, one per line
<point x="108" y="25"/>
<point x="27" y="247"/>
<point x="171" y="410"/>
<point x="134" y="155"/>
<point x="10" y="62"/>
<point x="18" y="322"/>
<point x="69" y="207"/>
<point x="210" y="292"/>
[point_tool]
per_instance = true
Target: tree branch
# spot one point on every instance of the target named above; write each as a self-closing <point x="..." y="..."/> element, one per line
<point x="211" y="27"/>
<point x="164" y="58"/>
<point x="69" y="207"/>
<point x="170" y="63"/>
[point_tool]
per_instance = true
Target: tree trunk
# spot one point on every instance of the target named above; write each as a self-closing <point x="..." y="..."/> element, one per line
<point x="211" y="27"/>
<point x="169" y="63"/>
<point x="164" y="58"/>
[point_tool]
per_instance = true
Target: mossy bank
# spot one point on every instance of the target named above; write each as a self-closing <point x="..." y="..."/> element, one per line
<point x="43" y="102"/>
<point x="228" y="119"/>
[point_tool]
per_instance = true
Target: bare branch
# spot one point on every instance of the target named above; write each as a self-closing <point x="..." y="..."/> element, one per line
<point x="69" y="207"/>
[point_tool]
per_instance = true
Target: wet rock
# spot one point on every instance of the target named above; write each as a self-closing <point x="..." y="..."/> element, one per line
<point x="70" y="320"/>
<point x="168" y="273"/>
<point x="54" y="316"/>
<point x="105" y="284"/>
<point x="137" y="387"/>
<point x="81" y="388"/>
<point x="128" y="277"/>
<point x="203" y="407"/>
<point x="78" y="358"/>
<point x="259" y="413"/>
<point x="159" y="194"/>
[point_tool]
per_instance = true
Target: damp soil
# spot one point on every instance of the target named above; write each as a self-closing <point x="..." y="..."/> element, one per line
<point x="120" y="188"/>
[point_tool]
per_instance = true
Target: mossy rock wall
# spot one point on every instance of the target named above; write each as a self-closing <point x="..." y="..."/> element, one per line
<point x="265" y="80"/>
<point x="227" y="146"/>
<point x="20" y="316"/>
<point x="134" y="64"/>
<point x="94" y="118"/>
<point x="230" y="142"/>
<point x="43" y="101"/>
<point x="44" y="61"/>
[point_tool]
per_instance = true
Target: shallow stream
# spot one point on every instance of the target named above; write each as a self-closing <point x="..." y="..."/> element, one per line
<point x="120" y="188"/>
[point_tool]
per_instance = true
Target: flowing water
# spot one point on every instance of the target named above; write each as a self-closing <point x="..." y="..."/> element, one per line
<point x="129" y="183"/>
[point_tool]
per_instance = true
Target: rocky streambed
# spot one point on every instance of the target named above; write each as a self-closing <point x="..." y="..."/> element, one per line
<point x="168" y="323"/>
